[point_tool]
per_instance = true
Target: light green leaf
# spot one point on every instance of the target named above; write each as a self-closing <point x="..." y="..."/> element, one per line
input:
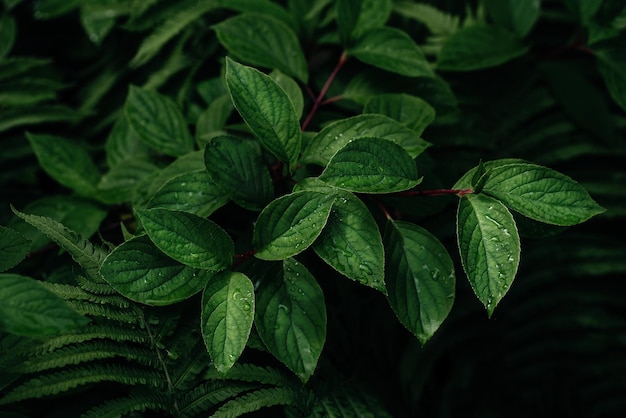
<point x="290" y="224"/>
<point x="13" y="248"/>
<point x="337" y="134"/>
<point x="227" y="317"/>
<point x="612" y="67"/>
<point x="27" y="308"/>
<point x="188" y="238"/>
<point x="266" y="109"/>
<point x="263" y="41"/>
<point x="489" y="246"/>
<point x="292" y="89"/>
<point x="140" y="272"/>
<point x="124" y="144"/>
<point x="411" y="111"/>
<point x="7" y="33"/>
<point x="158" y="122"/>
<point x="541" y="194"/>
<point x="392" y="50"/>
<point x="515" y="15"/>
<point x="194" y="192"/>
<point x="66" y="162"/>
<point x="119" y="184"/>
<point x="371" y="165"/>
<point x="291" y="317"/>
<point x="237" y="167"/>
<point x="420" y="278"/>
<point x="477" y="47"/>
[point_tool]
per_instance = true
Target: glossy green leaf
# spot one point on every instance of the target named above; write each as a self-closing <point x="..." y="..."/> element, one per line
<point x="292" y="89"/>
<point x="227" y="317"/>
<point x="27" y="308"/>
<point x="477" y="47"/>
<point x="371" y="165"/>
<point x="290" y="224"/>
<point x="411" y="111"/>
<point x="612" y="67"/>
<point x="7" y="33"/>
<point x="468" y="179"/>
<point x="158" y="122"/>
<point x="489" y="245"/>
<point x="237" y="167"/>
<point x="392" y="50"/>
<point x="66" y="162"/>
<point x="119" y="184"/>
<point x="264" y="41"/>
<point x="541" y="194"/>
<point x="337" y="134"/>
<point x="420" y="278"/>
<point x="515" y="15"/>
<point x="194" y="192"/>
<point x="140" y="272"/>
<point x="13" y="248"/>
<point x="124" y="144"/>
<point x="188" y="238"/>
<point x="266" y="109"/>
<point x="291" y="317"/>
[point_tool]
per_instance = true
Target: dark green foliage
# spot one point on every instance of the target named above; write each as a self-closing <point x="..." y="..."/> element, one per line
<point x="321" y="208"/>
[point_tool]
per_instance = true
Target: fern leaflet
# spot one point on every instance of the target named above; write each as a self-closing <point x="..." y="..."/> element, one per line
<point x="208" y="395"/>
<point x="253" y="401"/>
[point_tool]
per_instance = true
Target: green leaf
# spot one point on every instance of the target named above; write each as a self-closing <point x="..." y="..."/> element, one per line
<point x="213" y="119"/>
<point x="119" y="184"/>
<point x="584" y="9"/>
<point x="140" y="272"/>
<point x="438" y="22"/>
<point x="477" y="47"/>
<point x="48" y="9"/>
<point x="27" y="308"/>
<point x="7" y="34"/>
<point x="472" y="176"/>
<point x="371" y="165"/>
<point x="290" y="224"/>
<point x="392" y="50"/>
<point x="263" y="41"/>
<point x="66" y="162"/>
<point x="266" y="109"/>
<point x="188" y="238"/>
<point x="292" y="89"/>
<point x="13" y="248"/>
<point x="266" y="7"/>
<point x="489" y="245"/>
<point x="158" y="122"/>
<point x="291" y="317"/>
<point x="347" y="16"/>
<point x="237" y="167"/>
<point x="337" y="134"/>
<point x="541" y="194"/>
<point x="27" y="116"/>
<point x="409" y="110"/>
<point x="194" y="192"/>
<point x="420" y="278"/>
<point x="612" y="67"/>
<point x="227" y="317"/>
<point x="515" y="15"/>
<point x="124" y="144"/>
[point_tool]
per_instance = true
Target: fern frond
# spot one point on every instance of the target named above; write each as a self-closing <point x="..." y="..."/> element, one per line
<point x="347" y="402"/>
<point x="137" y="401"/>
<point x="55" y="383"/>
<point x="87" y="255"/>
<point x="105" y="311"/>
<point x="99" y="288"/>
<point x="187" y="368"/>
<point x="208" y="395"/>
<point x="253" y="401"/>
<point x="252" y="373"/>
<point x="68" y="292"/>
<point x="85" y="352"/>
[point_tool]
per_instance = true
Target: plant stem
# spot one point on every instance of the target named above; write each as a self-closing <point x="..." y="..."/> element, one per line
<point x="170" y="384"/>
<point x="342" y="60"/>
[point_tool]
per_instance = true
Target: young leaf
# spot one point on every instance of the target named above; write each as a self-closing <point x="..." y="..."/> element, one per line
<point x="291" y="317"/>
<point x="517" y="16"/>
<point x="266" y="109"/>
<point x="261" y="40"/>
<point x="201" y="195"/>
<point x="371" y="165"/>
<point x="392" y="50"/>
<point x="158" y="122"/>
<point x="411" y="111"/>
<point x="541" y="194"/>
<point x="476" y="47"/>
<point x="237" y="167"/>
<point x="140" y="272"/>
<point x="66" y="162"/>
<point x="188" y="238"/>
<point x="227" y="317"/>
<point x="290" y="224"/>
<point x="489" y="245"/>
<point x="420" y="278"/>
<point x="27" y="308"/>
<point x="13" y="248"/>
<point x="337" y="134"/>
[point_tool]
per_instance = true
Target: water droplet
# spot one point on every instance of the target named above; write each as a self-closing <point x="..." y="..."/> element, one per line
<point x="283" y="308"/>
<point x="236" y="296"/>
<point x="506" y="232"/>
<point x="366" y="268"/>
<point x="489" y="218"/>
